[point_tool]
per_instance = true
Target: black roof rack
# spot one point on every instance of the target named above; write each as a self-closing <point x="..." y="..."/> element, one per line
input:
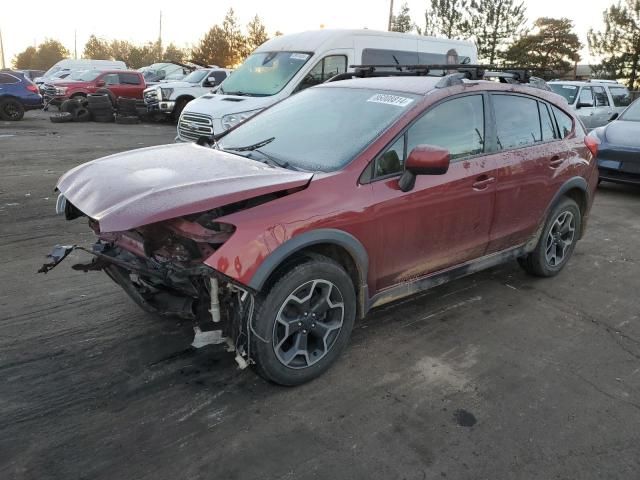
<point x="452" y="74"/>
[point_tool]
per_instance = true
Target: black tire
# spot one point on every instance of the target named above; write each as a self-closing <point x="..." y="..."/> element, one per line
<point x="177" y="110"/>
<point x="96" y="99"/>
<point x="81" y="99"/>
<point x="109" y="94"/>
<point x="127" y="106"/>
<point x="553" y="242"/>
<point x="62" y="117"/>
<point x="70" y="106"/>
<point x="272" y="344"/>
<point x="11" y="110"/>
<point x="127" y="119"/>
<point x="81" y="115"/>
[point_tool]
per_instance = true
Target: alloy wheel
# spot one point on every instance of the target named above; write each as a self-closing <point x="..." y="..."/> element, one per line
<point x="11" y="111"/>
<point x="560" y="239"/>
<point x="308" y="324"/>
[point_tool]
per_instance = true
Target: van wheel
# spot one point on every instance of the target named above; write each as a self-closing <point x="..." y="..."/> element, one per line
<point x="303" y="323"/>
<point x="557" y="242"/>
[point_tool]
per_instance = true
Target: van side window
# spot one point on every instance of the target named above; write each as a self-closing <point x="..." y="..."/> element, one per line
<point x="621" y="96"/>
<point x="565" y="122"/>
<point x="326" y="68"/>
<point x="379" y="56"/>
<point x="517" y="121"/>
<point x="601" y="97"/>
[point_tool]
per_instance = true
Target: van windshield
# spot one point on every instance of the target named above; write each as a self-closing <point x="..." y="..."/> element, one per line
<point x="85" y="76"/>
<point x="320" y="128"/>
<point x="264" y="74"/>
<point x="569" y="92"/>
<point x="52" y="71"/>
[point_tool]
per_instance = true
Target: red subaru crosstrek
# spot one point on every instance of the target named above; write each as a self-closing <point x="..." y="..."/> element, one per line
<point x="336" y="200"/>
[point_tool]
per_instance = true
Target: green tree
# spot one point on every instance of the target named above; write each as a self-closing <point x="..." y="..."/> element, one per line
<point x="402" y="22"/>
<point x="619" y="43"/>
<point x="26" y="59"/>
<point x="142" y="55"/>
<point x="222" y="45"/>
<point x="49" y="53"/>
<point x="121" y="50"/>
<point x="446" y="18"/>
<point x="494" y="25"/>
<point x="256" y="35"/>
<point x="235" y="39"/>
<point x="174" y="54"/>
<point x="97" y="49"/>
<point x="552" y="45"/>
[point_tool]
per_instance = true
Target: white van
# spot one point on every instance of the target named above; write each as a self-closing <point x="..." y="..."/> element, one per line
<point x="287" y="64"/>
<point x="76" y="65"/>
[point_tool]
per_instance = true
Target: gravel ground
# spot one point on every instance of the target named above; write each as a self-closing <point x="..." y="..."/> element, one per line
<point x="496" y="376"/>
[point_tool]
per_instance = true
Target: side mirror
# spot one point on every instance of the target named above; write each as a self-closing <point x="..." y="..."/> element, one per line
<point x="613" y="117"/>
<point x="100" y="83"/>
<point x="584" y="104"/>
<point x="424" y="160"/>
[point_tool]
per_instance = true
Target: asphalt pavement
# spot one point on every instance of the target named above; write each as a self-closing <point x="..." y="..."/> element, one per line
<point x="495" y="376"/>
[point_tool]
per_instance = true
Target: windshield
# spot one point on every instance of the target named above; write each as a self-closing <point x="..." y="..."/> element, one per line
<point x="632" y="113"/>
<point x="569" y="92"/>
<point x="264" y="74"/>
<point x="196" y="76"/>
<point x="320" y="129"/>
<point x="51" y="71"/>
<point x="85" y="76"/>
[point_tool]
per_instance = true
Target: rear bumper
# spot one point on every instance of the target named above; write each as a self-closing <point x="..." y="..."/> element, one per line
<point x="622" y="167"/>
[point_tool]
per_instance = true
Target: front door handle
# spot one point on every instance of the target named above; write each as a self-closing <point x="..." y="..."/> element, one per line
<point x="555" y="162"/>
<point x="483" y="182"/>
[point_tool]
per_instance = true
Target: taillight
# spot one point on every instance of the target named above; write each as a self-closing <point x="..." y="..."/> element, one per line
<point x="32" y="88"/>
<point x="592" y="142"/>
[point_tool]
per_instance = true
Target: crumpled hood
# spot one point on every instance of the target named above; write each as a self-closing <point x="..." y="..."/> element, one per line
<point x="149" y="185"/>
<point x="218" y="105"/>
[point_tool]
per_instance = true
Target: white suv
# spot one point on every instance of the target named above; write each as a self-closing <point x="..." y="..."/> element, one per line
<point x="170" y="98"/>
<point x="595" y="101"/>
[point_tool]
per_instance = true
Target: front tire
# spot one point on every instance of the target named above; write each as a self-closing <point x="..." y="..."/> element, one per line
<point x="303" y="323"/>
<point x="11" y="110"/>
<point x="557" y="242"/>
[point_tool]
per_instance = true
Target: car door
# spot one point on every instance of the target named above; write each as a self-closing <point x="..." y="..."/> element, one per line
<point x="445" y="219"/>
<point x="112" y="82"/>
<point x="585" y="107"/>
<point x="602" y="108"/>
<point x="129" y="85"/>
<point x="528" y="156"/>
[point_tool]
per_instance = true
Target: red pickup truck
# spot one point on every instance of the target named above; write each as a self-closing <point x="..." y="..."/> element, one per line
<point x="122" y="83"/>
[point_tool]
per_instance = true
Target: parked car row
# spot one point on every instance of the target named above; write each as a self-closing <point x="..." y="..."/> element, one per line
<point x="17" y="95"/>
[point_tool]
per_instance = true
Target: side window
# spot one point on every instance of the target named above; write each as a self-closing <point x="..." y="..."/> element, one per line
<point x="379" y="56"/>
<point x="219" y="75"/>
<point x="129" y="79"/>
<point x="548" y="130"/>
<point x="6" y="79"/>
<point x="392" y="160"/>
<point x="601" y="97"/>
<point x="517" y="121"/>
<point x="586" y="97"/>
<point x="565" y="122"/>
<point x="621" y="96"/>
<point x="457" y="125"/>
<point x="325" y="69"/>
<point x="111" y="79"/>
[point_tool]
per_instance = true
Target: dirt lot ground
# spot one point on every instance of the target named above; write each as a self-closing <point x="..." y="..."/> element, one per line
<point x="496" y="376"/>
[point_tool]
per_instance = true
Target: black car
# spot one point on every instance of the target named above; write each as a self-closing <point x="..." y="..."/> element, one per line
<point x="619" y="149"/>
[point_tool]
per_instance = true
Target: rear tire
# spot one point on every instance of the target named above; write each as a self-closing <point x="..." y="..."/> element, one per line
<point x="11" y="110"/>
<point x="303" y="323"/>
<point x="557" y="242"/>
<point x="177" y="110"/>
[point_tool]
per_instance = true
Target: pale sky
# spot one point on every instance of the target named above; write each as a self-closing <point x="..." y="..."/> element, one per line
<point x="185" y="22"/>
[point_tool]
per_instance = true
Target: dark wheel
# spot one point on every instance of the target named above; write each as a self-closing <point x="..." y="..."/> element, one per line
<point x="557" y="241"/>
<point x="81" y="115"/>
<point x="70" y="106"/>
<point x="304" y="322"/>
<point x="62" y="117"/>
<point x="11" y="109"/>
<point x="177" y="110"/>
<point x="81" y="99"/>
<point x="127" y="106"/>
<point x="109" y="94"/>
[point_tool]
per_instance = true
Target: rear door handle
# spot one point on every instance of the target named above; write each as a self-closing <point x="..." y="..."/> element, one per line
<point x="483" y="182"/>
<point x="555" y="162"/>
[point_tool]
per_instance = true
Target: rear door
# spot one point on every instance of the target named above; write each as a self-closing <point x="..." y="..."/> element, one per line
<point x="130" y="85"/>
<point x="445" y="220"/>
<point x="602" y="108"/>
<point x="529" y="154"/>
<point x="585" y="107"/>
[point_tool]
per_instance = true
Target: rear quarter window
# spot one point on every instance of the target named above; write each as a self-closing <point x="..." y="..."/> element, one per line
<point x="6" y="79"/>
<point x="129" y="79"/>
<point x="620" y="96"/>
<point x="565" y="122"/>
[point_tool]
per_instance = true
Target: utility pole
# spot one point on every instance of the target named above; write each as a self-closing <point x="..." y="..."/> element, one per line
<point x="75" y="44"/>
<point x="2" y="50"/>
<point x="390" y="14"/>
<point x="160" y="39"/>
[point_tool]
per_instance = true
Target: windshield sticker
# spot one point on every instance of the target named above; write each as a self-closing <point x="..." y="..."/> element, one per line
<point x="390" y="99"/>
<point x="299" y="56"/>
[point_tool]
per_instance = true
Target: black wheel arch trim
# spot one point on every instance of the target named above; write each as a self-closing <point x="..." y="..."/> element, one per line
<point x="315" y="237"/>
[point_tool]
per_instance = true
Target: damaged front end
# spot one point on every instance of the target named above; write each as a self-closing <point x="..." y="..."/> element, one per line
<point x="160" y="266"/>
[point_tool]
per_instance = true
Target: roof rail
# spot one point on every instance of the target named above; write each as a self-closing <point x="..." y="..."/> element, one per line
<point x="452" y="74"/>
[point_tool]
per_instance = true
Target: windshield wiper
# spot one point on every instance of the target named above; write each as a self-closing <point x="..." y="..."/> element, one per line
<point x="239" y="94"/>
<point x="254" y="146"/>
